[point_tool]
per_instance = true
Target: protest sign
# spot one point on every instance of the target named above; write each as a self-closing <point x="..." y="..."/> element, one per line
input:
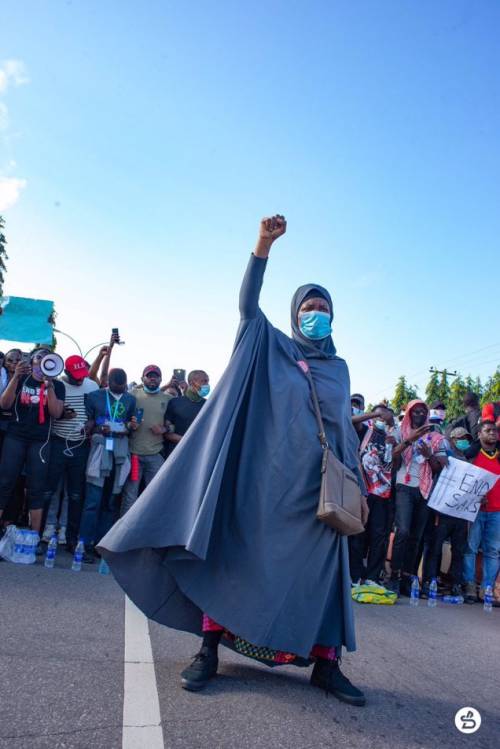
<point x="460" y="489"/>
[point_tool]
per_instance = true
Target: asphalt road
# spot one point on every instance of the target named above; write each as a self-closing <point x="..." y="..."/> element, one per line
<point x="62" y="676"/>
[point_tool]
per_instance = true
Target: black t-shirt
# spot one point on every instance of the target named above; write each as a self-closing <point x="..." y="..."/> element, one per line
<point x="25" y="423"/>
<point x="181" y="412"/>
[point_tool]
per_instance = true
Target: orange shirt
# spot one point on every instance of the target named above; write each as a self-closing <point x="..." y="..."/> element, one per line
<point x="490" y="463"/>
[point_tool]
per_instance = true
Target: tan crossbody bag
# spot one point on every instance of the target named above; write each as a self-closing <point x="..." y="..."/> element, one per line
<point x="340" y="496"/>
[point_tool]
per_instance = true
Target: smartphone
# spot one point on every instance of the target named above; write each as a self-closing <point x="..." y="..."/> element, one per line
<point x="25" y="357"/>
<point x="139" y="413"/>
<point x="115" y="336"/>
<point x="180" y="374"/>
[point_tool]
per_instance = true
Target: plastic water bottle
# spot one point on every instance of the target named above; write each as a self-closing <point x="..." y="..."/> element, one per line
<point x="50" y="556"/>
<point x="19" y="546"/>
<point x="103" y="567"/>
<point x="388" y="453"/>
<point x="414" y="591"/>
<point x="78" y="556"/>
<point x="30" y="542"/>
<point x="488" y="599"/>
<point x="453" y="599"/>
<point x="433" y="592"/>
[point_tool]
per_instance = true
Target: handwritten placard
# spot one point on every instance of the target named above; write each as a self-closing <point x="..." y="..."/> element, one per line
<point x="460" y="489"/>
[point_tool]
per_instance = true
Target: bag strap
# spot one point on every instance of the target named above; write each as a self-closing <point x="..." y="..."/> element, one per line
<point x="317" y="411"/>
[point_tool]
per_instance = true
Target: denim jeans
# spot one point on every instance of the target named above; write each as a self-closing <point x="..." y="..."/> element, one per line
<point x="149" y="465"/>
<point x="410" y="520"/>
<point x="100" y="511"/>
<point x="484" y="533"/>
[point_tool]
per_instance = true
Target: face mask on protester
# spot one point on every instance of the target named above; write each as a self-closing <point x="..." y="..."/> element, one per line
<point x="462" y="445"/>
<point x="37" y="372"/>
<point x="379" y="424"/>
<point x="315" y="325"/>
<point x="356" y="411"/>
<point x="151" y="390"/>
<point x="204" y="391"/>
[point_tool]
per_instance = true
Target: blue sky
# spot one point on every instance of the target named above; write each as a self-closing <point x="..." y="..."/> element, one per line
<point x="140" y="145"/>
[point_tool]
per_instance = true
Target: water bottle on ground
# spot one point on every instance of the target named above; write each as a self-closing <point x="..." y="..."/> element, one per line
<point x="453" y="599"/>
<point x="488" y="599"/>
<point x="414" y="591"/>
<point x="50" y="556"/>
<point x="103" y="567"/>
<point x="78" y="556"/>
<point x="433" y="592"/>
<point x="19" y="546"/>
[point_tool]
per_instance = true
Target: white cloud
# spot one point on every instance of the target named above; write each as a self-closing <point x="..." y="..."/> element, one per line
<point x="10" y="190"/>
<point x="12" y="73"/>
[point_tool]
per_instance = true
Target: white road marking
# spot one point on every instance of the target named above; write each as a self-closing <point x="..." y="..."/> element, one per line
<point x="141" y="707"/>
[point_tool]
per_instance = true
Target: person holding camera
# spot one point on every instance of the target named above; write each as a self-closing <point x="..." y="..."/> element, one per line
<point x="36" y="401"/>
<point x="68" y="455"/>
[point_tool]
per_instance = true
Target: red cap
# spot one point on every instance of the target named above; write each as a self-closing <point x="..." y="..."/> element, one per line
<point x="151" y="368"/>
<point x="76" y="367"/>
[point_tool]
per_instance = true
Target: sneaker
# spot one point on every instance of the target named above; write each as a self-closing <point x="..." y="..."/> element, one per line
<point x="393" y="585"/>
<point x="48" y="532"/>
<point x="328" y="676"/>
<point x="202" y="669"/>
<point x="470" y="593"/>
<point x="61" y="536"/>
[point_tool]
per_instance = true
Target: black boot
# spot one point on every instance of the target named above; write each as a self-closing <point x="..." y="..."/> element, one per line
<point x="328" y="676"/>
<point x="202" y="669"/>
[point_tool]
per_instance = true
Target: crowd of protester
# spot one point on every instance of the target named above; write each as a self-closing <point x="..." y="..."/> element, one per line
<point x="76" y="451"/>
<point x="401" y="457"/>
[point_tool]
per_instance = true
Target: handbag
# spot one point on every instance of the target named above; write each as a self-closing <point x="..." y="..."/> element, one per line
<point x="339" y="504"/>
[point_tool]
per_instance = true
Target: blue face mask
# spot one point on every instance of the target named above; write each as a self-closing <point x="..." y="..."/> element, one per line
<point x="151" y="390"/>
<point x="356" y="411"/>
<point x="379" y="424"/>
<point x="204" y="391"/>
<point x="462" y="444"/>
<point x="315" y="325"/>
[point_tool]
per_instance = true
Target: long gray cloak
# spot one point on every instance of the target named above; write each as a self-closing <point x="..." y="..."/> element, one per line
<point x="228" y="526"/>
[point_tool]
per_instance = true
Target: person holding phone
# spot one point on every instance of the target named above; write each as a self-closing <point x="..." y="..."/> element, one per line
<point x="68" y="455"/>
<point x="420" y="456"/>
<point x="37" y="401"/>
<point x="146" y="443"/>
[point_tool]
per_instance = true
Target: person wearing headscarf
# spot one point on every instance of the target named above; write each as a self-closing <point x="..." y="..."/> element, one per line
<point x="421" y="455"/>
<point x="230" y="547"/>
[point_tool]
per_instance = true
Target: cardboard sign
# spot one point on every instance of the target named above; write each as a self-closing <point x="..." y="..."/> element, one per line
<point x="460" y="489"/>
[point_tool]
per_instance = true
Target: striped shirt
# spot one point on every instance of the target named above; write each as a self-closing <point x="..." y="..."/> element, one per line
<point x="71" y="429"/>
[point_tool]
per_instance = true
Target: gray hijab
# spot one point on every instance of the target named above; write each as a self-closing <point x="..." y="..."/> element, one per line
<point x="324" y="348"/>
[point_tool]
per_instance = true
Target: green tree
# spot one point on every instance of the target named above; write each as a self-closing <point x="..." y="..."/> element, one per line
<point x="433" y="389"/>
<point x="403" y="394"/>
<point x="491" y="390"/>
<point x="444" y="388"/>
<point x="454" y="406"/>
<point x="3" y="254"/>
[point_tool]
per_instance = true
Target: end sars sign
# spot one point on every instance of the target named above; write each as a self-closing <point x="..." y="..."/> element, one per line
<point x="460" y="489"/>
